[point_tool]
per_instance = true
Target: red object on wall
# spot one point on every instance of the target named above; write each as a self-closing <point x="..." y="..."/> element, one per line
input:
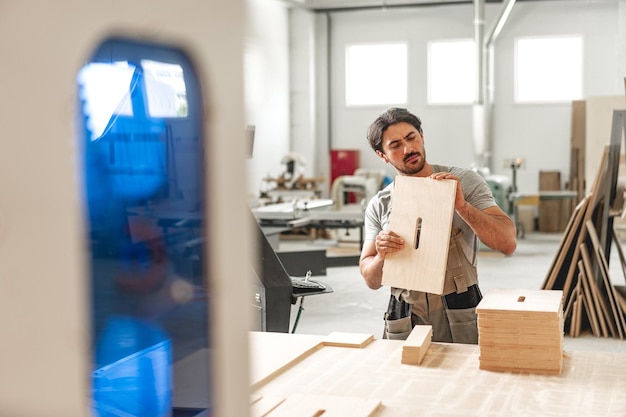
<point x="343" y="162"/>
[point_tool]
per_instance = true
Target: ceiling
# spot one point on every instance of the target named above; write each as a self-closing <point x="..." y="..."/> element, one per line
<point x="337" y="5"/>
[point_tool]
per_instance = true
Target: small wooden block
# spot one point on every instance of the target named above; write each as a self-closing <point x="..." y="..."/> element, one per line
<point x="341" y="339"/>
<point x="415" y="346"/>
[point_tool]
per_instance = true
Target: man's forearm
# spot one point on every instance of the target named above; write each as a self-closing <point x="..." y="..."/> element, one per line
<point x="372" y="271"/>
<point x="495" y="230"/>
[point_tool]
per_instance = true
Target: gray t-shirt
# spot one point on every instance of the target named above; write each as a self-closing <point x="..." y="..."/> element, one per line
<point x="475" y="190"/>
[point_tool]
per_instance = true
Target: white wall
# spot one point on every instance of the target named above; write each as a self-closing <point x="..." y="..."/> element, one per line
<point x="539" y="133"/>
<point x="267" y="96"/>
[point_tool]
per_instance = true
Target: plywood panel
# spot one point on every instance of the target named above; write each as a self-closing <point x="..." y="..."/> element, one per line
<point x="299" y="405"/>
<point x="599" y="116"/>
<point x="265" y="364"/>
<point x="344" y="339"/>
<point x="422" y="210"/>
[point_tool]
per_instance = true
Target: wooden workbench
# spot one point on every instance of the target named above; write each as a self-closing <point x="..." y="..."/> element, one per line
<point x="447" y="383"/>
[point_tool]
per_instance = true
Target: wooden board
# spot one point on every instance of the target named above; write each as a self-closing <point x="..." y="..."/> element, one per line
<point x="609" y="291"/>
<point x="422" y="210"/>
<point x="344" y="339"/>
<point x="298" y="348"/>
<point x="300" y="405"/>
<point x="598" y="115"/>
<point x="557" y="272"/>
<point x="521" y="300"/>
<point x="293" y="348"/>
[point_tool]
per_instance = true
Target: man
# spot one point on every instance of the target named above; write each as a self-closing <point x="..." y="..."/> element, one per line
<point x="397" y="138"/>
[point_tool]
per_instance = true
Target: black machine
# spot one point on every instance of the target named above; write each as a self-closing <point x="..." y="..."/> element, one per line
<point x="275" y="291"/>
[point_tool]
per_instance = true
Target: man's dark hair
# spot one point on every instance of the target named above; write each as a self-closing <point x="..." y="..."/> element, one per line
<point x="392" y="116"/>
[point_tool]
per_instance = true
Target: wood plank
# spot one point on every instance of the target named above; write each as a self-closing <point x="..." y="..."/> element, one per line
<point x="620" y="251"/>
<point x="565" y="252"/>
<point x="596" y="197"/>
<point x="422" y="215"/>
<point x="609" y="291"/>
<point x="299" y="347"/>
<point x="296" y="348"/>
<point x="344" y="339"/>
<point x="301" y="405"/>
<point x="521" y="300"/>
<point x="620" y="290"/>
<point x="589" y="300"/>
<point x="579" y="309"/>
<point x="604" y="319"/>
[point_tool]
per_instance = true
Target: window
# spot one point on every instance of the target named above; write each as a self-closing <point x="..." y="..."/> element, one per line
<point x="451" y="72"/>
<point x="548" y="69"/>
<point x="165" y="88"/>
<point x="376" y="74"/>
<point x="105" y="90"/>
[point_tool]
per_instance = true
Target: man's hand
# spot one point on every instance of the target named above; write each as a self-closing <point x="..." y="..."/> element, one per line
<point x="459" y="199"/>
<point x="388" y="242"/>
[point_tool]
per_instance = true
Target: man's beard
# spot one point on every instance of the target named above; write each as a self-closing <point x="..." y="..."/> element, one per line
<point x="414" y="168"/>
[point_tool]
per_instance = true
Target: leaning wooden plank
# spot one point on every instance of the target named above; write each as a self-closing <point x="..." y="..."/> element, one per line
<point x="422" y="216"/>
<point x="620" y="290"/>
<point x="574" y="321"/>
<point x="569" y="257"/>
<point x="611" y="293"/>
<point x="567" y="311"/>
<point x="604" y="318"/>
<point x="582" y="312"/>
<point x="589" y="302"/>
<point x="618" y="315"/>
<point x="620" y="252"/>
<point x="595" y="197"/>
<point x="565" y="249"/>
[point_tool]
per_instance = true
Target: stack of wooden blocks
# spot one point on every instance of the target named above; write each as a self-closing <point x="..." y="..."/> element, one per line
<point x="415" y="346"/>
<point x="521" y="331"/>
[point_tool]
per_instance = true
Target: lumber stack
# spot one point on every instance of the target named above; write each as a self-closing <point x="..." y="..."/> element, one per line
<point x="580" y="267"/>
<point x="521" y="331"/>
<point x="415" y="346"/>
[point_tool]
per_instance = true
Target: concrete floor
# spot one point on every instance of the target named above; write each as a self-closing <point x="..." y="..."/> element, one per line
<point x="352" y="307"/>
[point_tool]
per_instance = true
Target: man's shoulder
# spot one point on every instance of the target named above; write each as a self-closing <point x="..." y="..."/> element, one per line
<point x="384" y="194"/>
<point x="462" y="173"/>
